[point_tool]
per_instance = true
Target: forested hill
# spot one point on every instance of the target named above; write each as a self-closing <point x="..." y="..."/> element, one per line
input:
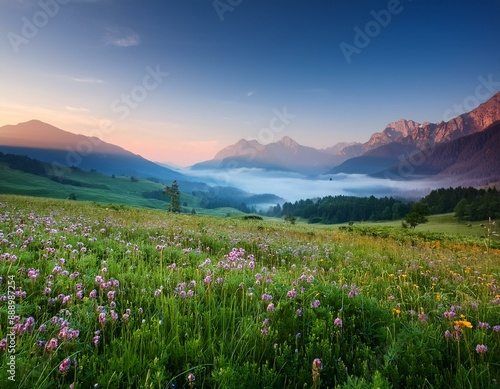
<point x="467" y="203"/>
<point x="341" y="209"/>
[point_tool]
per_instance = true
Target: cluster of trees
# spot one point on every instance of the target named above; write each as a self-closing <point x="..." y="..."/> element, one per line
<point x="154" y="194"/>
<point x="23" y="163"/>
<point x="29" y="165"/>
<point x="341" y="209"/>
<point x="468" y="203"/>
<point x="444" y="200"/>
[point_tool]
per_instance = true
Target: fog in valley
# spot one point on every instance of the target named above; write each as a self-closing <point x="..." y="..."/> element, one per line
<point x="293" y="186"/>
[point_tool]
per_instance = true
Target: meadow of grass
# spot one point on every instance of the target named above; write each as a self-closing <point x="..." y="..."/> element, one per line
<point x="108" y="296"/>
<point x="443" y="223"/>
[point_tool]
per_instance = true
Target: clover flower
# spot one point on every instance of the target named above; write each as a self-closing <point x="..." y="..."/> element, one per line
<point x="51" y="345"/>
<point x="65" y="365"/>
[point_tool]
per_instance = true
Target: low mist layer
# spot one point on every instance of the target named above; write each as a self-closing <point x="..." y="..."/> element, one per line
<point x="293" y="186"/>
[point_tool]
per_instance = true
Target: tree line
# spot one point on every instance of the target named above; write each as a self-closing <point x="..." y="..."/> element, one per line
<point x="23" y="163"/>
<point x="342" y="209"/>
<point x="469" y="203"/>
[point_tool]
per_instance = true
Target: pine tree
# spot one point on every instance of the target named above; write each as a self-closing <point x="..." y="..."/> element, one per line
<point x="175" y="197"/>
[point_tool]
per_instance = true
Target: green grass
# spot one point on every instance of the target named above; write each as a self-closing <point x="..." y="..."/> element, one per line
<point x="445" y="223"/>
<point x="220" y="212"/>
<point x="197" y="291"/>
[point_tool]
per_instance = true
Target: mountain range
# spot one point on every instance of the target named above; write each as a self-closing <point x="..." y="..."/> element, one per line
<point x="401" y="143"/>
<point x="285" y="155"/>
<point x="464" y="150"/>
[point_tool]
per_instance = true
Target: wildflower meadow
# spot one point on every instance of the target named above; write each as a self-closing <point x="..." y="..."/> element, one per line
<point x="105" y="296"/>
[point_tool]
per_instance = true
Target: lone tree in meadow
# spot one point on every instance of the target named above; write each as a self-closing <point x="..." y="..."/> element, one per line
<point x="418" y="215"/>
<point x="175" y="197"/>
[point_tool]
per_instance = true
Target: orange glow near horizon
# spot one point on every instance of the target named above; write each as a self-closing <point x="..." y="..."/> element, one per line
<point x="168" y="146"/>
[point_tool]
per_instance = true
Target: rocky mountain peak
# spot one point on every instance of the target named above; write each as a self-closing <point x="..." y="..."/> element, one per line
<point x="393" y="132"/>
<point x="288" y="142"/>
<point x="241" y="148"/>
<point x="421" y="135"/>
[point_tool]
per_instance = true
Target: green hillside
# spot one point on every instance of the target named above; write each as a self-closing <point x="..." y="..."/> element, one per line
<point x="90" y="186"/>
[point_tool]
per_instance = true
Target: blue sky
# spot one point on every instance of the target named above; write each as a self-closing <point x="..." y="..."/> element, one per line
<point x="181" y="79"/>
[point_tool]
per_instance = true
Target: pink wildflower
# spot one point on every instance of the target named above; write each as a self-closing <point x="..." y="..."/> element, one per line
<point x="65" y="365"/>
<point x="51" y="344"/>
<point x="481" y="349"/>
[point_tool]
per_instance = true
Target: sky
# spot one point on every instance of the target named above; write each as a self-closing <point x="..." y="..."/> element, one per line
<point x="181" y="79"/>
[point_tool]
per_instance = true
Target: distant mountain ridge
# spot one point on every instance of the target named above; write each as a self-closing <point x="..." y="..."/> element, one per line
<point x="50" y="144"/>
<point x="285" y="155"/>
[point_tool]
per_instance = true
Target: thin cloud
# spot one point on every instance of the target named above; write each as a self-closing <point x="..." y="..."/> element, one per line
<point x="121" y="37"/>
<point x="12" y="113"/>
<point x="250" y="93"/>
<point x="76" y="109"/>
<point x="88" y="80"/>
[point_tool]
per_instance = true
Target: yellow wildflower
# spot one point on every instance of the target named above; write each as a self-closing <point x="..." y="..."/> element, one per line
<point x="463" y="323"/>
